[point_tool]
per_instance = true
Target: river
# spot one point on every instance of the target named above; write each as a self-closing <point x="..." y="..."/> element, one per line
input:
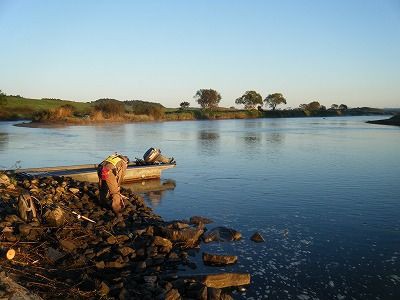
<point x="324" y="193"/>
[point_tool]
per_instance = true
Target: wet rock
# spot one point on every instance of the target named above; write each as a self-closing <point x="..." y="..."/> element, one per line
<point x="196" y="220"/>
<point x="222" y="234"/>
<point x="219" y="260"/>
<point x="213" y="294"/>
<point x="188" y="236"/>
<point x="257" y="237"/>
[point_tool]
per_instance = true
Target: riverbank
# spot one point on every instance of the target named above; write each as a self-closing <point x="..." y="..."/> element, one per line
<point x="136" y="255"/>
<point x="56" y="112"/>
<point x="393" y="121"/>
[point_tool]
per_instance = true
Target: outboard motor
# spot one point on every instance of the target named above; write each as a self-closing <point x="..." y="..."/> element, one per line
<point x="153" y="156"/>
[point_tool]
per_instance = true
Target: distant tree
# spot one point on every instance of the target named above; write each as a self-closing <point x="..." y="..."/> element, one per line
<point x="322" y="108"/>
<point x="250" y="99"/>
<point x="334" y="106"/>
<point x="110" y="107"/>
<point x="313" y="106"/>
<point x="342" y="106"/>
<point x="207" y="98"/>
<point x="273" y="100"/>
<point x="3" y="99"/>
<point x="184" y="105"/>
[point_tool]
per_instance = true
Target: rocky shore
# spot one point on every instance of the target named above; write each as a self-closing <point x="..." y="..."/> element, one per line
<point x="74" y="248"/>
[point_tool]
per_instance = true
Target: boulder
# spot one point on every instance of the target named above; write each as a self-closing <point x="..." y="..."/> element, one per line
<point x="55" y="217"/>
<point x="219" y="260"/>
<point x="222" y="234"/>
<point x="257" y="237"/>
<point x="188" y="236"/>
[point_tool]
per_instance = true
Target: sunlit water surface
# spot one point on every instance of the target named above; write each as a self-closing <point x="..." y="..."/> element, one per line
<point x="323" y="192"/>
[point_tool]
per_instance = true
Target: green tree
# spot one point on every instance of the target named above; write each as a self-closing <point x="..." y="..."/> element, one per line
<point x="3" y="99"/>
<point x="184" y="105"/>
<point x="313" y="106"/>
<point x="334" y="106"/>
<point x="250" y="99"/>
<point x="207" y="98"/>
<point x="342" y="106"/>
<point x="273" y="100"/>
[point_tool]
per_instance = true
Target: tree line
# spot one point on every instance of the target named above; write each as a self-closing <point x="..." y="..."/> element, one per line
<point x="210" y="98"/>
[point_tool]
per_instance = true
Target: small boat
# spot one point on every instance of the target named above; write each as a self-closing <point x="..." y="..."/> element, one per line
<point x="88" y="172"/>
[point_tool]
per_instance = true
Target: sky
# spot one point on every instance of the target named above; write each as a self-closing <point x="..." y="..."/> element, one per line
<point x="343" y="51"/>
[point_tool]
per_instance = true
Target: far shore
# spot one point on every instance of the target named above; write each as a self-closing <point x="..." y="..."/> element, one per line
<point x="207" y="115"/>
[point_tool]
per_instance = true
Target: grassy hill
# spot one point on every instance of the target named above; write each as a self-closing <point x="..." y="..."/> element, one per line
<point x="17" y="108"/>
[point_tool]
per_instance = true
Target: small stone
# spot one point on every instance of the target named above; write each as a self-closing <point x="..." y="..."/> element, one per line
<point x="100" y="265"/>
<point x="257" y="237"/>
<point x="104" y="289"/>
<point x="162" y="242"/>
<point x="67" y="245"/>
<point x="24" y="229"/>
<point x="117" y="239"/>
<point x="172" y="294"/>
<point x="74" y="190"/>
<point x="125" y="251"/>
<point x="54" y="255"/>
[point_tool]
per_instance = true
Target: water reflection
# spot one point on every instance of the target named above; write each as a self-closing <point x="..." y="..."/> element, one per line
<point x="208" y="142"/>
<point x="3" y="140"/>
<point x="274" y="138"/>
<point x="152" y="190"/>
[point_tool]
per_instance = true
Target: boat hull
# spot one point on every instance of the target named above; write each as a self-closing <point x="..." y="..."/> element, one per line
<point x="89" y="172"/>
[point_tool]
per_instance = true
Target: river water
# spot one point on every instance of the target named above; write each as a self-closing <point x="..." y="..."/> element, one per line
<point x="324" y="193"/>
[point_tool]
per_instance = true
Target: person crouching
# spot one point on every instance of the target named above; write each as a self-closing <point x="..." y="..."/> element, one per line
<point x="111" y="173"/>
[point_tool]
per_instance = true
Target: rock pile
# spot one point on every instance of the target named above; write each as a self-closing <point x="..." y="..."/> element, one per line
<point x="131" y="256"/>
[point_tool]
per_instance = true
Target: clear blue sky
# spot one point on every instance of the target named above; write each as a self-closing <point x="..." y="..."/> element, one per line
<point x="331" y="51"/>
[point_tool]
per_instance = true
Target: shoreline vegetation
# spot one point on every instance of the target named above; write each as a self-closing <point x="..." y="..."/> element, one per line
<point x="56" y="112"/>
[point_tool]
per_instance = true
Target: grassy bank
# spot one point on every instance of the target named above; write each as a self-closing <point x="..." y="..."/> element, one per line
<point x="56" y="111"/>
